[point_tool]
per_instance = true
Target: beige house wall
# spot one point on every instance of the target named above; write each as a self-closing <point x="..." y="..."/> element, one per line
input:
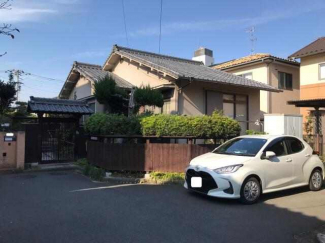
<point x="12" y="154"/>
<point x="309" y="69"/>
<point x="259" y="73"/>
<point x="138" y="75"/>
<point x="83" y="89"/>
<point x="273" y="102"/>
<point x="192" y="99"/>
<point x="279" y="100"/>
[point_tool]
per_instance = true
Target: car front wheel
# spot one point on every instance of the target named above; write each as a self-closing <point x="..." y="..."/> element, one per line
<point x="316" y="180"/>
<point x="250" y="191"/>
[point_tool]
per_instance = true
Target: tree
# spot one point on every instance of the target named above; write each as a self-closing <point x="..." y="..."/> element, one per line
<point x="7" y="96"/>
<point x="109" y="94"/>
<point x="147" y="96"/>
<point x="7" y="29"/>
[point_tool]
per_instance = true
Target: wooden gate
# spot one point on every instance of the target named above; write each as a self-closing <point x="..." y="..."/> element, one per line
<point x="54" y="140"/>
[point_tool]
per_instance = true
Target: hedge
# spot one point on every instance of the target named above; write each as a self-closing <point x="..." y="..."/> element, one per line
<point x="216" y="125"/>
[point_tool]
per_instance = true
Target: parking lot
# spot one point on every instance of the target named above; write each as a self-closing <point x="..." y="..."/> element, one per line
<point x="68" y="207"/>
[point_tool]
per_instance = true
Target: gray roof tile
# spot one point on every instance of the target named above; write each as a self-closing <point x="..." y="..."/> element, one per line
<point x="188" y="69"/>
<point x="59" y="106"/>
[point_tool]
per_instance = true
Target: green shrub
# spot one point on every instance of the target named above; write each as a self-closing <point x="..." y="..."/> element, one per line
<point x="253" y="132"/>
<point x="96" y="173"/>
<point x="110" y="124"/>
<point x="216" y="125"/>
<point x="86" y="169"/>
<point x="82" y="162"/>
<point x="168" y="177"/>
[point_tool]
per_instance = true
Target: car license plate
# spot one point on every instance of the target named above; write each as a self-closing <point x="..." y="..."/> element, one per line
<point x="196" y="182"/>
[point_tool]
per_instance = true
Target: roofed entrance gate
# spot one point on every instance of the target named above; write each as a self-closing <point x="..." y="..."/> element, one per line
<point x="57" y="136"/>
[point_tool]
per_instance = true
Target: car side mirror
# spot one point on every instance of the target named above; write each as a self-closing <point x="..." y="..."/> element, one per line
<point x="269" y="154"/>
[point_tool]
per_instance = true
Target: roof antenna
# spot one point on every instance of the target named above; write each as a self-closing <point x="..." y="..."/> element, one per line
<point x="252" y="38"/>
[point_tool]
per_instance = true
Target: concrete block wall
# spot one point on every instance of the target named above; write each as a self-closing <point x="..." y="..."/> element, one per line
<point x="12" y="154"/>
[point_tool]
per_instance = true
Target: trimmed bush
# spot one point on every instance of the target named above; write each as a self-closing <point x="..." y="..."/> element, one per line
<point x="253" y="132"/>
<point x="96" y="174"/>
<point x="216" y="125"/>
<point x="110" y="124"/>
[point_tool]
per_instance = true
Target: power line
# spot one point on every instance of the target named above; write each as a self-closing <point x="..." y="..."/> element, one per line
<point x="126" y="32"/>
<point x="161" y="8"/>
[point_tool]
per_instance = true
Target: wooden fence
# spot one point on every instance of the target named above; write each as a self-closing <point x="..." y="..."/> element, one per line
<point x="164" y="157"/>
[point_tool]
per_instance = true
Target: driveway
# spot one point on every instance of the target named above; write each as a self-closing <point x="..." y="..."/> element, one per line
<point x="68" y="207"/>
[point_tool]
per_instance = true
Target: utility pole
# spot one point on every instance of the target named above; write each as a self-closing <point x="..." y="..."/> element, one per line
<point x="17" y="73"/>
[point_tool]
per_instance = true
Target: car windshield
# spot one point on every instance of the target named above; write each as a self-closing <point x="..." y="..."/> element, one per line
<point x="241" y="147"/>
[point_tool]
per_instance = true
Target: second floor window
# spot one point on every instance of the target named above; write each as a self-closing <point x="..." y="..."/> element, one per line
<point x="246" y="75"/>
<point x="322" y="71"/>
<point x="285" y="80"/>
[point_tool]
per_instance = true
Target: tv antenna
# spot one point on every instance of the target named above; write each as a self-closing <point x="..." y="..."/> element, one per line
<point x="252" y="38"/>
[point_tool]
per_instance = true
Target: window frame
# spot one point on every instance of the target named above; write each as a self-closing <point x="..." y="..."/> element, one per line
<point x="319" y="71"/>
<point x="289" y="145"/>
<point x="285" y="80"/>
<point x="277" y="140"/>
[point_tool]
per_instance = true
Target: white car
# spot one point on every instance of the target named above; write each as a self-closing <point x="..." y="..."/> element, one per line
<point x="247" y="166"/>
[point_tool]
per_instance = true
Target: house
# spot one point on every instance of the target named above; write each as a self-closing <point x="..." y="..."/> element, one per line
<point x="312" y="73"/>
<point x="189" y="87"/>
<point x="274" y="71"/>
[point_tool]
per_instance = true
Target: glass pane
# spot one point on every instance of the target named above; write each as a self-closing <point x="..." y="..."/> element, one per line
<point x="241" y="112"/>
<point x="248" y="75"/>
<point x="288" y="81"/>
<point x="281" y="80"/>
<point x="322" y="71"/>
<point x="228" y="109"/>
<point x="227" y="97"/>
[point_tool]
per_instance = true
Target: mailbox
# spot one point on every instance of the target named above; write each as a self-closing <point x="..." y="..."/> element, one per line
<point x="9" y="137"/>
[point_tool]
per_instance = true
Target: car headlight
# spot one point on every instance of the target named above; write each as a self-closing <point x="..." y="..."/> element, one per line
<point x="228" y="169"/>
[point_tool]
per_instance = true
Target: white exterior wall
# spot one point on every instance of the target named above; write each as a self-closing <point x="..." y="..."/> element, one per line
<point x="280" y="124"/>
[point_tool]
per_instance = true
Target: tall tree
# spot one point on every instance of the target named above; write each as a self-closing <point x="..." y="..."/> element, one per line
<point x="7" y="29"/>
<point x="7" y="96"/>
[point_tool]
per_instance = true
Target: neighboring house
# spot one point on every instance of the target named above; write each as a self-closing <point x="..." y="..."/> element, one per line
<point x="277" y="72"/>
<point x="189" y="87"/>
<point x="312" y="73"/>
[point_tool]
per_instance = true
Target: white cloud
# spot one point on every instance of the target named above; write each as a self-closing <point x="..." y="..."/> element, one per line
<point x="16" y="15"/>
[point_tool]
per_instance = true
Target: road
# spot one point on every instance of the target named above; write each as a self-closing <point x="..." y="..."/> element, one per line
<point x="68" y="207"/>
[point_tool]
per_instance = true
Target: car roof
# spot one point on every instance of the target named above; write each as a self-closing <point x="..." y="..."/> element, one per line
<point x="271" y="137"/>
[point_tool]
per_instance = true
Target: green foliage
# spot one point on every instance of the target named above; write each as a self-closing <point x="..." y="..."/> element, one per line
<point x="199" y="126"/>
<point x="96" y="174"/>
<point x="168" y="177"/>
<point x="253" y="132"/>
<point x="107" y="93"/>
<point x="110" y="124"/>
<point x="147" y="96"/>
<point x="82" y="162"/>
<point x="21" y="109"/>
<point x="7" y="96"/>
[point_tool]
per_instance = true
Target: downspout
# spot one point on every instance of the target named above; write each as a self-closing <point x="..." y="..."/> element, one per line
<point x="179" y="92"/>
<point x="268" y="80"/>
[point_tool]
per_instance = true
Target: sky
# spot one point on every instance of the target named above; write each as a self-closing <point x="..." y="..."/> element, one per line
<point x="54" y="34"/>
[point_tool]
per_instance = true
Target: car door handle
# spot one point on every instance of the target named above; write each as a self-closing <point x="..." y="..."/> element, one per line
<point x="307" y="155"/>
<point x="289" y="160"/>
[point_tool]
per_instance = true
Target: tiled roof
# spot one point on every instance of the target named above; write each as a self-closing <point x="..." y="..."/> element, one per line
<point x="58" y="106"/>
<point x="92" y="73"/>
<point x="180" y="68"/>
<point x="95" y="72"/>
<point x="316" y="47"/>
<point x="250" y="59"/>
<point x="308" y="103"/>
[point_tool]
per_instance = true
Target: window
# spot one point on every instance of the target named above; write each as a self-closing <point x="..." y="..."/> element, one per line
<point x="278" y="147"/>
<point x="241" y="147"/>
<point x="294" y="145"/>
<point x="322" y="71"/>
<point x="285" y="80"/>
<point x="166" y="107"/>
<point x="246" y="75"/>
